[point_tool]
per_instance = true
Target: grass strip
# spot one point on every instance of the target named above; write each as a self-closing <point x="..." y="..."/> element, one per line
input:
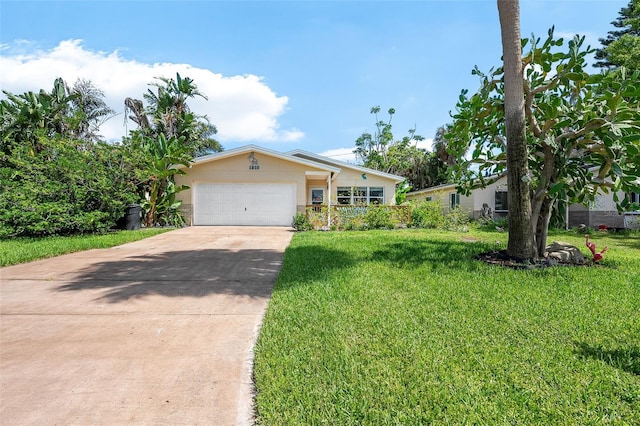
<point x="21" y="250"/>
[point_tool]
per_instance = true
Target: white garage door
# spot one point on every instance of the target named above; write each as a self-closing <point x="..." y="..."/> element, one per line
<point x="244" y="204"/>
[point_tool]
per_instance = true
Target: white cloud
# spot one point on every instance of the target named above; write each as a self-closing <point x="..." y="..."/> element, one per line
<point x="426" y="144"/>
<point x="242" y="107"/>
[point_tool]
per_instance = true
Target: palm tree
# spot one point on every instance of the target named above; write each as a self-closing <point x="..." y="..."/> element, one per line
<point x="441" y="146"/>
<point x="520" y="243"/>
<point x="71" y="113"/>
<point x="28" y="116"/>
<point x="168" y="113"/>
<point x="90" y="109"/>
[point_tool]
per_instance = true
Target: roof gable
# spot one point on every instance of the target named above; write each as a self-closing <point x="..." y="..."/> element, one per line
<point x="442" y="187"/>
<point x="446" y="186"/>
<point x="257" y="149"/>
<point x="341" y="164"/>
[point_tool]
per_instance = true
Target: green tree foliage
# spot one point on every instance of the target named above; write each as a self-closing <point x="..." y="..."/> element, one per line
<point x="55" y="176"/>
<point x="66" y="186"/>
<point x="89" y="109"/>
<point x="168" y="113"/>
<point x="381" y="151"/>
<point x="625" y="52"/>
<point x="74" y="113"/>
<point x="622" y="45"/>
<point x="169" y="134"/>
<point x="441" y="146"/>
<point x="583" y="130"/>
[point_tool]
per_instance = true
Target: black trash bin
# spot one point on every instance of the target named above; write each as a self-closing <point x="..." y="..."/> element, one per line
<point x="132" y="217"/>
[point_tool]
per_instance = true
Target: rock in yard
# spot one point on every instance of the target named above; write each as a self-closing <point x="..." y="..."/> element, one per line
<point x="565" y="253"/>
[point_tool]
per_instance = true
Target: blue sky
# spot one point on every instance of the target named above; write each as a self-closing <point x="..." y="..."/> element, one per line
<point x="283" y="75"/>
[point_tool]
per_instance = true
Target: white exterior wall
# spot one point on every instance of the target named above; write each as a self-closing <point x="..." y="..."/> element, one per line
<point x="602" y="211"/>
<point x="488" y="195"/>
<point x="353" y="178"/>
<point x="442" y="194"/>
<point x="236" y="170"/>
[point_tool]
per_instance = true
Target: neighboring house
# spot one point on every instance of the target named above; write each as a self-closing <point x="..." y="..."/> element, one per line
<point x="494" y="196"/>
<point x="602" y="211"/>
<point x="252" y="185"/>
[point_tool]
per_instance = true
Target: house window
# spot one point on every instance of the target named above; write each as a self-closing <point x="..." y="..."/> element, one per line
<point x="454" y="200"/>
<point x="317" y="196"/>
<point x="376" y="195"/>
<point x="502" y="203"/>
<point x="360" y="195"/>
<point x="344" y="195"/>
<point x="634" y="197"/>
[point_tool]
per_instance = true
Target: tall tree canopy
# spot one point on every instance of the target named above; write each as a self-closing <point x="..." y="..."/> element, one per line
<point x="168" y="113"/>
<point x="622" y="45"/>
<point x="168" y="133"/>
<point x="583" y="131"/>
<point x="56" y="176"/>
<point x="381" y="151"/>
<point x="74" y="113"/>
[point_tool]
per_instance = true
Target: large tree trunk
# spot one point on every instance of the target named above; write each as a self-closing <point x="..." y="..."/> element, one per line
<point x="137" y="108"/>
<point x="542" y="204"/>
<point x="542" y="225"/>
<point x="520" y="243"/>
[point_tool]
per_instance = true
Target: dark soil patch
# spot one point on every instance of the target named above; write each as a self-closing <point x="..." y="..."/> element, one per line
<point x="501" y="258"/>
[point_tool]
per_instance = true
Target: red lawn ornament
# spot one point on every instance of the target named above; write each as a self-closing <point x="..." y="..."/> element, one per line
<point x="596" y="256"/>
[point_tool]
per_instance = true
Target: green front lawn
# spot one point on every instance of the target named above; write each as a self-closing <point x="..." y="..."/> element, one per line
<point x="20" y="250"/>
<point x="404" y="327"/>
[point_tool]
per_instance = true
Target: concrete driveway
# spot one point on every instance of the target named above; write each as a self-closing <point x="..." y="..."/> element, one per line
<point x="159" y="331"/>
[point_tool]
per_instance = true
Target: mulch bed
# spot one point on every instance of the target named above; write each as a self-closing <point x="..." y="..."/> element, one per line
<point x="501" y="258"/>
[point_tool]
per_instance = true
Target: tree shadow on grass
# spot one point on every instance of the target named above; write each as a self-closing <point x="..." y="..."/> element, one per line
<point x="437" y="254"/>
<point x="631" y="241"/>
<point x="626" y="359"/>
<point x="192" y="273"/>
<point x="309" y="264"/>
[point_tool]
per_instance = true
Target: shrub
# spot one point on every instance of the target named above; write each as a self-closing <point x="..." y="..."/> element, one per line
<point x="378" y="217"/>
<point x="318" y="216"/>
<point x="350" y="218"/>
<point x="63" y="187"/>
<point x="401" y="215"/>
<point x="426" y="214"/>
<point x="493" y="224"/>
<point x="456" y="220"/>
<point x="301" y="222"/>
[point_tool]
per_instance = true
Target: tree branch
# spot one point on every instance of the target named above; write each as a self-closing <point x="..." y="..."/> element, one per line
<point x="594" y="124"/>
<point x="501" y="140"/>
<point x="528" y="112"/>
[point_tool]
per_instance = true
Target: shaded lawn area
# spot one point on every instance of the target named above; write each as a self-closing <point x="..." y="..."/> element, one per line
<point x="404" y="327"/>
<point x="21" y="250"/>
